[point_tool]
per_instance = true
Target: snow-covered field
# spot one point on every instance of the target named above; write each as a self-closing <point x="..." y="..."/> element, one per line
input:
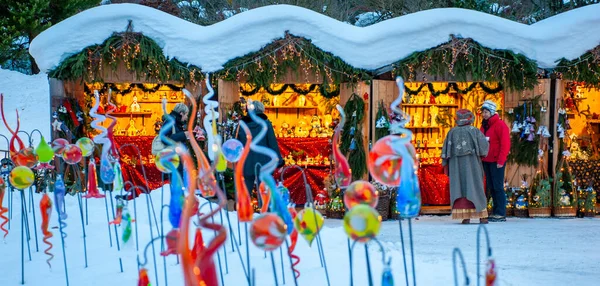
<point x="527" y="251"/>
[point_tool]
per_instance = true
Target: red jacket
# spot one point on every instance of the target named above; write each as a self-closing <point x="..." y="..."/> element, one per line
<point x="499" y="135"/>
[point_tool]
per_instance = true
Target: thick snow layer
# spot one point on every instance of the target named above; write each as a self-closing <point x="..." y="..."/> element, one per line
<point x="567" y="35"/>
<point x="29" y="95"/>
<point x="526" y="251"/>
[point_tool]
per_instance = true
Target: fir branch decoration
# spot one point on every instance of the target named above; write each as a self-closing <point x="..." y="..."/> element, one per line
<point x="293" y="53"/>
<point x="585" y="68"/>
<point x="352" y="137"/>
<point x="140" y="54"/>
<point x="467" y="60"/>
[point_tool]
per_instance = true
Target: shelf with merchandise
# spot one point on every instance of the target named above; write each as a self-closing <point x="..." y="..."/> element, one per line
<point x="428" y="105"/>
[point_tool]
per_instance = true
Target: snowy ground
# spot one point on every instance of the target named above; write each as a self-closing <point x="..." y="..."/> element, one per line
<point x="527" y="251"/>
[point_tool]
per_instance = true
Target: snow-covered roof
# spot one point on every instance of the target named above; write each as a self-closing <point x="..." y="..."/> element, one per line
<point x="567" y="35"/>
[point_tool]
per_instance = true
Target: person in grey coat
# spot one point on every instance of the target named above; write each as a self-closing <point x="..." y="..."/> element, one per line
<point x="462" y="151"/>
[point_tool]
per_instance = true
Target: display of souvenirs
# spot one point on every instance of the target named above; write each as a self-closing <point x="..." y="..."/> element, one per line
<point x="135" y="106"/>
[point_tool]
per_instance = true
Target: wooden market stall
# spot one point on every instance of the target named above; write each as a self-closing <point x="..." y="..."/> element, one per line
<point x="125" y="64"/>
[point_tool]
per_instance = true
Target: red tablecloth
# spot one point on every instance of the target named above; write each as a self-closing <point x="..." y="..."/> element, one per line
<point x="315" y="174"/>
<point x="435" y="186"/>
<point x="130" y="165"/>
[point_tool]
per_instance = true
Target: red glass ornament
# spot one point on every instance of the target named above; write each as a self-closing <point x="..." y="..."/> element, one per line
<point x="92" y="183"/>
<point x="268" y="231"/>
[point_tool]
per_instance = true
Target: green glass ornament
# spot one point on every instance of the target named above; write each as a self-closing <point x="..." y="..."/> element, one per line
<point x="44" y="151"/>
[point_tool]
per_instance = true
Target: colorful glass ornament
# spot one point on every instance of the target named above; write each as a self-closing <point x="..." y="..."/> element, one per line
<point x="46" y="211"/>
<point x="170" y="156"/>
<point x="25" y="157"/>
<point x="171" y="241"/>
<point x="3" y="210"/>
<point x="284" y="192"/>
<point x="107" y="172"/>
<point x="86" y="145"/>
<point x="265" y="197"/>
<point x="385" y="159"/>
<point x="309" y="222"/>
<point x="221" y="165"/>
<point x="143" y="279"/>
<point x="44" y="151"/>
<point x="118" y="183"/>
<point x="72" y="154"/>
<point x="362" y="223"/>
<point x="21" y="177"/>
<point x="294" y="240"/>
<point x="387" y="278"/>
<point x="59" y="145"/>
<point x="408" y="194"/>
<point x="342" y="172"/>
<point x="268" y="231"/>
<point x="243" y="204"/>
<point x="232" y="150"/>
<point x="490" y="274"/>
<point x="360" y="192"/>
<point x="127" y="225"/>
<point x="92" y="182"/>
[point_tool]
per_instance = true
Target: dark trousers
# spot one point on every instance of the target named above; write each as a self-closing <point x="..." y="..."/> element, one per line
<point x="494" y="178"/>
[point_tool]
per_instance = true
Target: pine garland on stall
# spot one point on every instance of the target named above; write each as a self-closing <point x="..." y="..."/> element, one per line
<point x="352" y="140"/>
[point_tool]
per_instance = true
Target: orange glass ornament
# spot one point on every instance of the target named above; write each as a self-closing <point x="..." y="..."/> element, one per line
<point x="342" y="171"/>
<point x="268" y="231"/>
<point x="244" y="205"/>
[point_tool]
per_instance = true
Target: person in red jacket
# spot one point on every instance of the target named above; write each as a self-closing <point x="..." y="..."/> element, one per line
<point x="498" y="134"/>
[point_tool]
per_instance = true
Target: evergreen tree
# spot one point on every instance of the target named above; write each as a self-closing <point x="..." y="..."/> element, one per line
<point x="22" y="20"/>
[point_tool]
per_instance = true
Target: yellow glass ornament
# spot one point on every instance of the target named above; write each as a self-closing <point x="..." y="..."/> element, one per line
<point x="21" y="177"/>
<point x="86" y="145"/>
<point x="362" y="223"/>
<point x="308" y="222"/>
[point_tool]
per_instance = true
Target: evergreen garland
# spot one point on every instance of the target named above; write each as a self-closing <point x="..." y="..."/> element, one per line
<point x="467" y="60"/>
<point x="381" y="129"/>
<point x="293" y="53"/>
<point x="585" y="68"/>
<point x="352" y="140"/>
<point x="522" y="151"/>
<point x="141" y="56"/>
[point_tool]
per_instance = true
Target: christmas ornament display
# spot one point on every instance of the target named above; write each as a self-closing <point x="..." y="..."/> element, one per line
<point x="360" y="192"/>
<point x="160" y="158"/>
<point x="232" y="150"/>
<point x="86" y="145"/>
<point x="268" y="232"/>
<point x="59" y="145"/>
<point x="21" y="177"/>
<point x="72" y="154"/>
<point x="362" y="223"/>
<point x="309" y="222"/>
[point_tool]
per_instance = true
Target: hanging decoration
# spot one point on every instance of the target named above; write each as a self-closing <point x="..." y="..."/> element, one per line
<point x="323" y="89"/>
<point x="467" y="60"/>
<point x="524" y="144"/>
<point x="139" y="54"/>
<point x="382" y="123"/>
<point x="453" y="86"/>
<point x="273" y="62"/>
<point x="352" y="137"/>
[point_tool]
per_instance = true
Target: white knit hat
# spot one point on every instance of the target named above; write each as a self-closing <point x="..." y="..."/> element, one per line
<point x="490" y="106"/>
